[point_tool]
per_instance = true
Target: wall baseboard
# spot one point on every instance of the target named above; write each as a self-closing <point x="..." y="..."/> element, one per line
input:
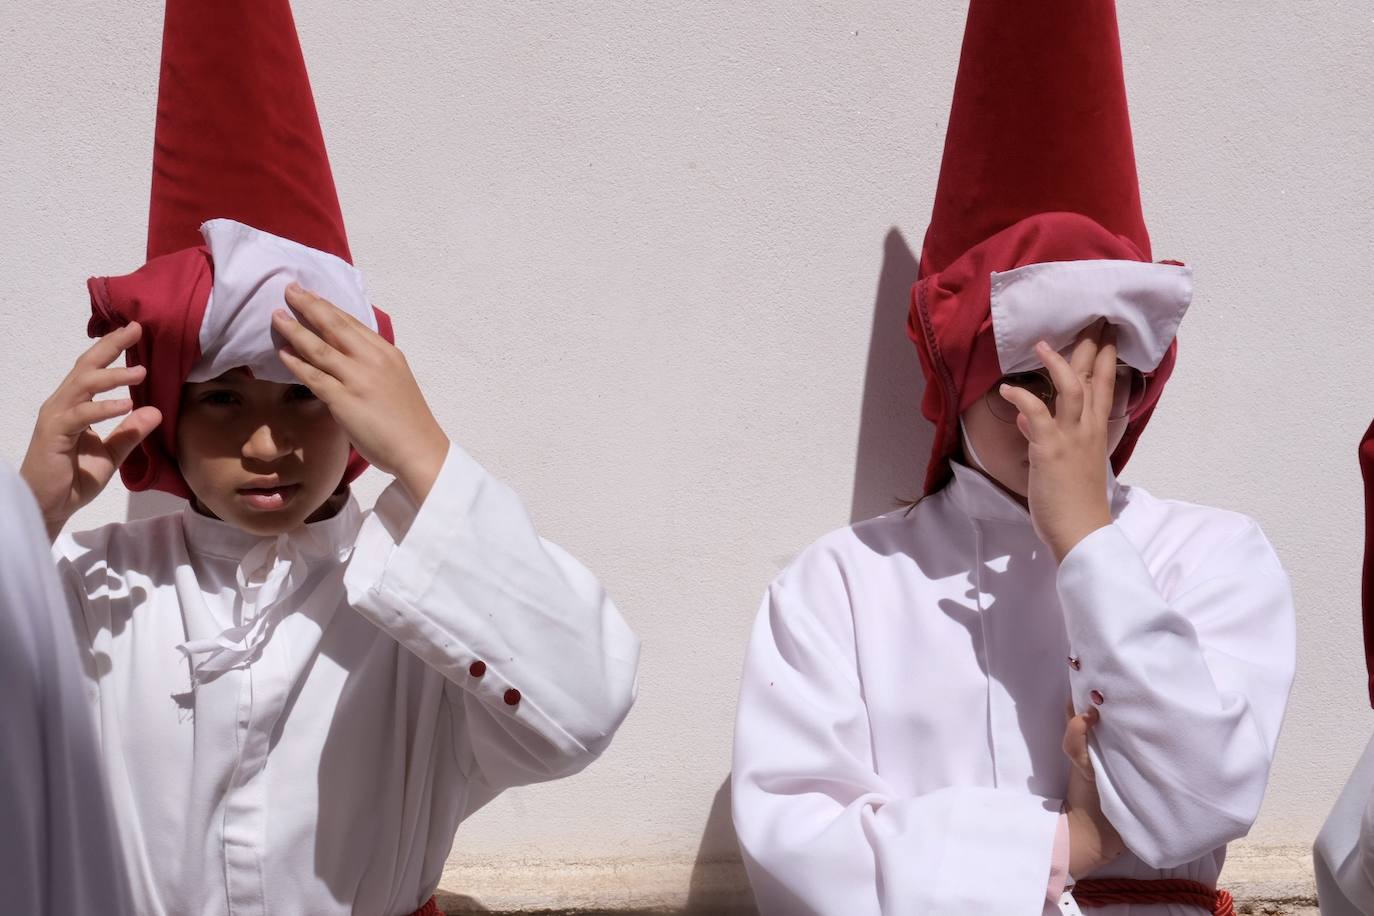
<point x="1278" y="876"/>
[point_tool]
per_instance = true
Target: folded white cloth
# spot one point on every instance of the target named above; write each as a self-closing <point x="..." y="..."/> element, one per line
<point x="1056" y="300"/>
<point x="252" y="270"/>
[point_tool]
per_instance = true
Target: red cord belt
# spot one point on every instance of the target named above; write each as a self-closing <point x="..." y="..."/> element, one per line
<point x="1095" y="892"/>
<point x="431" y="908"/>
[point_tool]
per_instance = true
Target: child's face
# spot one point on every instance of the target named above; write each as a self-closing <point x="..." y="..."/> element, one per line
<point x="260" y="455"/>
<point x="1004" y="452"/>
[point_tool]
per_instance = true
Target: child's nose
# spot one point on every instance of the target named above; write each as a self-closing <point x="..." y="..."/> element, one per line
<point x="267" y="444"/>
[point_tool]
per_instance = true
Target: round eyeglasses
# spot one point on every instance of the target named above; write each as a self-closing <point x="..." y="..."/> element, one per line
<point x="1126" y="395"/>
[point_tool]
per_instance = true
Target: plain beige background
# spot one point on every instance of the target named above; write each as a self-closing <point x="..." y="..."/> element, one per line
<point x="650" y="261"/>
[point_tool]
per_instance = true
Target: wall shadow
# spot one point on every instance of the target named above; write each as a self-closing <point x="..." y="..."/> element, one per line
<point x="894" y="439"/>
<point x="718" y="885"/>
<point x="149" y="503"/>
<point x="458" y="904"/>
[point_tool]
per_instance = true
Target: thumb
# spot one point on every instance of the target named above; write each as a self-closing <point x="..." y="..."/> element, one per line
<point x="1076" y="743"/>
<point x="134" y="429"/>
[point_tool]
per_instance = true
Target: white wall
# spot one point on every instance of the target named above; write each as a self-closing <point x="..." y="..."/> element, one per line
<point x="650" y="262"/>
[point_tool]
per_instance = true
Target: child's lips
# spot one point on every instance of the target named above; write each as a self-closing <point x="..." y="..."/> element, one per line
<point x="268" y="499"/>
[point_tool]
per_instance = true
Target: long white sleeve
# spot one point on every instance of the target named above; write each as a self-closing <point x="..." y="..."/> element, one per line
<point x="1343" y="855"/>
<point x="58" y="848"/>
<point x="821" y="831"/>
<point x="464" y="581"/>
<point x="1192" y="689"/>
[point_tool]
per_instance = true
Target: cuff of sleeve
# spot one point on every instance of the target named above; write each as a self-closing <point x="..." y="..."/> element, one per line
<point x="395" y="579"/>
<point x="400" y="546"/>
<point x="1097" y="553"/>
<point x="1109" y="601"/>
<point x="986" y="825"/>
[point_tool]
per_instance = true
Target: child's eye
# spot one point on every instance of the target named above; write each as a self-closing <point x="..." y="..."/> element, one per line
<point x="300" y="393"/>
<point x="219" y="398"/>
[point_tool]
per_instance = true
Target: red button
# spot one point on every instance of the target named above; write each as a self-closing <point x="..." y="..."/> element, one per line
<point x="1074" y="663"/>
<point x="477" y="669"/>
<point x="1097" y="698"/>
<point x="512" y="697"/>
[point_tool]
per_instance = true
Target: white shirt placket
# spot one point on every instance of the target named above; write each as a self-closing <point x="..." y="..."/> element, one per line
<point x="264" y="688"/>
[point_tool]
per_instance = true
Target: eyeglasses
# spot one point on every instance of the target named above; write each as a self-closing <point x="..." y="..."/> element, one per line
<point x="1126" y="395"/>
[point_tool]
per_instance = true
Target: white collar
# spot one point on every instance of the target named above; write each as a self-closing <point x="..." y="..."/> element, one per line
<point x="270" y="571"/>
<point x="979" y="497"/>
<point x="208" y="535"/>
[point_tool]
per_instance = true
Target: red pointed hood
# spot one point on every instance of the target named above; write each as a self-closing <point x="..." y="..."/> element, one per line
<point x="1038" y="167"/>
<point x="237" y="137"/>
<point x="1367" y="583"/>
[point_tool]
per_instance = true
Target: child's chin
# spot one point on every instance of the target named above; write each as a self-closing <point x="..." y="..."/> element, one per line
<point x="1018" y="483"/>
<point x="265" y="524"/>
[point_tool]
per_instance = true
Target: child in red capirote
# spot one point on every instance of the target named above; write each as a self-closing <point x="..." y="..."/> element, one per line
<point x="298" y="701"/>
<point x="900" y="745"/>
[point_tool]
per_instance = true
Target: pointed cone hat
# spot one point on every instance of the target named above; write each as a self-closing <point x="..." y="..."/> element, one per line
<point x="1037" y="227"/>
<point x="237" y="142"/>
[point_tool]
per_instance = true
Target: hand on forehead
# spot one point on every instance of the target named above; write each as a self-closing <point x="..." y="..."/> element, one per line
<point x="252" y="271"/>
<point x="1089" y="339"/>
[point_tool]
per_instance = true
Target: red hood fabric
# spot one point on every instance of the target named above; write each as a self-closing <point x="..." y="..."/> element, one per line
<point x="1038" y="166"/>
<point x="1367" y="584"/>
<point x="167" y="296"/>
<point x="237" y="137"/>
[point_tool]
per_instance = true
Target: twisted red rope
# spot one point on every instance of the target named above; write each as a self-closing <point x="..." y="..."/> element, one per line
<point x="431" y="908"/>
<point x="1096" y="892"/>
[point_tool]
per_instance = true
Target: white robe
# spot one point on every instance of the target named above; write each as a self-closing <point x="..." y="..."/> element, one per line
<point x="58" y="849"/>
<point x="328" y="774"/>
<point x="902" y="708"/>
<point x="1344" y="851"/>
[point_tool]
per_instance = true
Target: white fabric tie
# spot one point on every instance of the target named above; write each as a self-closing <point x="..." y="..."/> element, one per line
<point x="272" y="571"/>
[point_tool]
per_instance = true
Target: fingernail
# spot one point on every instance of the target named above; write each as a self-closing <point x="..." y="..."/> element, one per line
<point x="284" y="315"/>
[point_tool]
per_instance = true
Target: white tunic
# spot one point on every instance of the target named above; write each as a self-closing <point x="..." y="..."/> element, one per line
<point x="58" y="849"/>
<point x="326" y="770"/>
<point x="1344" y="852"/>
<point x="898" y="741"/>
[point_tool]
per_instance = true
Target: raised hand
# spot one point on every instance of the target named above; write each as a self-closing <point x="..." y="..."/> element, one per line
<point x="367" y="386"/>
<point x="1093" y="841"/>
<point x="1067" y="496"/>
<point x="68" y="463"/>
